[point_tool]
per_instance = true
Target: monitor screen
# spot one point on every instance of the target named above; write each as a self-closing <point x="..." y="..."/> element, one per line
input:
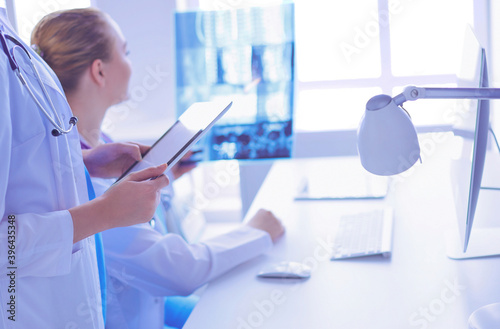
<point x="471" y="132"/>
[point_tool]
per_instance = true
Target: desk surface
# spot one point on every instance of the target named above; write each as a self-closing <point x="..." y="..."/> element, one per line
<point x="418" y="287"/>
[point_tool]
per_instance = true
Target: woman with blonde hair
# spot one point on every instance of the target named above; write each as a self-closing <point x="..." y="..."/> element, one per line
<point x="88" y="52"/>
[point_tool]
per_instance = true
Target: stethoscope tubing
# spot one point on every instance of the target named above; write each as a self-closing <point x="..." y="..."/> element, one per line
<point x="58" y="126"/>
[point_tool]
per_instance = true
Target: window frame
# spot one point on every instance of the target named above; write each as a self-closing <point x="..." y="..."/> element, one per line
<point x="386" y="81"/>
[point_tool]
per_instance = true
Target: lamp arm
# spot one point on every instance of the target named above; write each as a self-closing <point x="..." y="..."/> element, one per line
<point x="413" y="93"/>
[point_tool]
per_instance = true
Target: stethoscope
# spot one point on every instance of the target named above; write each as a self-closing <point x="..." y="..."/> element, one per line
<point x="58" y="126"/>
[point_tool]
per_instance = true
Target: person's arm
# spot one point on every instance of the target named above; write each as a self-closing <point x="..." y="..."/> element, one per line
<point x="266" y="221"/>
<point x="112" y="159"/>
<point x="38" y="243"/>
<point x="167" y="265"/>
<point x="131" y="201"/>
<point x="41" y="176"/>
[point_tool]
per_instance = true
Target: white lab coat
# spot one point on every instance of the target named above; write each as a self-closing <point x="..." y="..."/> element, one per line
<point x="144" y="264"/>
<point x="56" y="282"/>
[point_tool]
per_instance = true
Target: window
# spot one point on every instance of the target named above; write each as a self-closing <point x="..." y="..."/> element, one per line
<point x="349" y="51"/>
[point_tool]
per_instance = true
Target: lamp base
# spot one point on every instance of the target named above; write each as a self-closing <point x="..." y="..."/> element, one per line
<point x="483" y="243"/>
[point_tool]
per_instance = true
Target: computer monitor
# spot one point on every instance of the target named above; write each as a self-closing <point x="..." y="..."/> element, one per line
<point x="471" y="129"/>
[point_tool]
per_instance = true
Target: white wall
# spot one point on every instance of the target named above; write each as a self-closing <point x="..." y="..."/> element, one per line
<point x="148" y="26"/>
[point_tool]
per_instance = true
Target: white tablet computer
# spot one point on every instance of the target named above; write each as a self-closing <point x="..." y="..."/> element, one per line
<point x="182" y="135"/>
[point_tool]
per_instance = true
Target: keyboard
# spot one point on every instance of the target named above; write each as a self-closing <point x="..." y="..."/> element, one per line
<point x="364" y="234"/>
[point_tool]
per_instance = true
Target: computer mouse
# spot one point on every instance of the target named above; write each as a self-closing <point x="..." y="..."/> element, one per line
<point x="285" y="270"/>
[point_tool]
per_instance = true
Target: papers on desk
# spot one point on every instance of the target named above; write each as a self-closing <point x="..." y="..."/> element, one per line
<point x="341" y="180"/>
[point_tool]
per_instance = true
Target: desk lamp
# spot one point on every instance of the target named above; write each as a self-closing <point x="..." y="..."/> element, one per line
<point x="387" y="139"/>
<point x="388" y="145"/>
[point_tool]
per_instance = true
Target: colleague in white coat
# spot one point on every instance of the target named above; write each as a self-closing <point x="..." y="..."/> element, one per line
<point x="143" y="262"/>
<point x="48" y="268"/>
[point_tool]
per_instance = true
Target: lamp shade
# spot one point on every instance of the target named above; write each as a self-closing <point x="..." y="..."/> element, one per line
<point x="387" y="139"/>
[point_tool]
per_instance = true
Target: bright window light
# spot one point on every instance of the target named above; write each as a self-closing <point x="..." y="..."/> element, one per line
<point x="332" y="109"/>
<point x="337" y="39"/>
<point x="426" y="39"/>
<point x="349" y="51"/>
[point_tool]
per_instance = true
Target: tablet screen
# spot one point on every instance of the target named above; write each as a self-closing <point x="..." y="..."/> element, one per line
<point x="182" y="135"/>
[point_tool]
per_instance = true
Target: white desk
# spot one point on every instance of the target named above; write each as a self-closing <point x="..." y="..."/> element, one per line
<point x="418" y="287"/>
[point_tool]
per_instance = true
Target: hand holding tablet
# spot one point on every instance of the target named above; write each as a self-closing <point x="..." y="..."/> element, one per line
<point x="181" y="137"/>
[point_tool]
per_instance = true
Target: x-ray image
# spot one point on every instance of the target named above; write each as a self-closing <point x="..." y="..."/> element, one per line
<point x="247" y="56"/>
